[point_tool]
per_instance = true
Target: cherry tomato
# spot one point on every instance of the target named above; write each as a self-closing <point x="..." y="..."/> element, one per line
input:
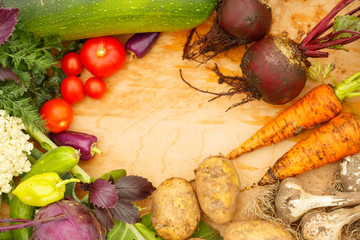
<point x="95" y="87"/>
<point x="58" y="115"/>
<point x="103" y="56"/>
<point x="71" y="64"/>
<point x="72" y="89"/>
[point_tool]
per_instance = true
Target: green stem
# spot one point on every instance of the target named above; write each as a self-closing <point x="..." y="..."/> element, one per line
<point x="36" y="153"/>
<point x="348" y="88"/>
<point x="62" y="183"/>
<point x="31" y="159"/>
<point x="94" y="149"/>
<point x="41" y="138"/>
<point x="79" y="173"/>
<point x="47" y="144"/>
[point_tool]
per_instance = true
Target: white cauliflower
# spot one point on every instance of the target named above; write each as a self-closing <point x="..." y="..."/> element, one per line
<point x="14" y="146"/>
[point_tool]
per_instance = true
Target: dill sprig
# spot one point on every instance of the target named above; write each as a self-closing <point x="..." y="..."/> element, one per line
<point x="18" y="104"/>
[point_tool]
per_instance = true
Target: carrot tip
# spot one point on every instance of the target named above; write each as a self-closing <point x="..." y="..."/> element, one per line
<point x="232" y="155"/>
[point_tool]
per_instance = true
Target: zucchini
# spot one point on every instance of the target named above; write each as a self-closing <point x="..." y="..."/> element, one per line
<point x="18" y="209"/>
<point x="80" y="19"/>
<point x="60" y="160"/>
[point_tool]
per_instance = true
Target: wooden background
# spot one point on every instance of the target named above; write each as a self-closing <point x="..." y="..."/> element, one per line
<point x="153" y="125"/>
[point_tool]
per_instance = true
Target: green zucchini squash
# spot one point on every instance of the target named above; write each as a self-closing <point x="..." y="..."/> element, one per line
<point x="80" y="19"/>
<point x="18" y="209"/>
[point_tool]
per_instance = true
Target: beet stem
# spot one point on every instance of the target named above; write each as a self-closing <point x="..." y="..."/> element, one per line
<point x="313" y="42"/>
<point x="321" y="26"/>
<point x="316" y="54"/>
<point x="330" y="36"/>
<point x="341" y="41"/>
<point x="329" y="26"/>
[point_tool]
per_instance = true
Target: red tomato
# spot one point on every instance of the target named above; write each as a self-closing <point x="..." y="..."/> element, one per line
<point x="58" y="115"/>
<point x="71" y="64"/>
<point x="72" y="89"/>
<point x="103" y="56"/>
<point x="95" y="87"/>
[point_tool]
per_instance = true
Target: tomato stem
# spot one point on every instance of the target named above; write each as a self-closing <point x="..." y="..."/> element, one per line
<point x="101" y="51"/>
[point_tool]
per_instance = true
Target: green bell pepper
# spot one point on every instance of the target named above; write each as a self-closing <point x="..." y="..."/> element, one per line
<point x="42" y="189"/>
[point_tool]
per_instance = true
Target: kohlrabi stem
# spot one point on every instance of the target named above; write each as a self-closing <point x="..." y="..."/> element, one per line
<point x="349" y="87"/>
<point x="47" y="144"/>
<point x="28" y="222"/>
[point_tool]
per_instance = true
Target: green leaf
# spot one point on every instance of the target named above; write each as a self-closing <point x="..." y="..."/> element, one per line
<point x="70" y="187"/>
<point x="207" y="232"/>
<point x="137" y="231"/>
<point x="146" y="220"/>
<point x="6" y="235"/>
<point x="116" y="174"/>
<point x="346" y="22"/>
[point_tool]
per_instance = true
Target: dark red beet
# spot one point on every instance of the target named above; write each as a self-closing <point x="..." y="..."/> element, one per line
<point x="275" y="67"/>
<point x="246" y="19"/>
<point x="237" y="22"/>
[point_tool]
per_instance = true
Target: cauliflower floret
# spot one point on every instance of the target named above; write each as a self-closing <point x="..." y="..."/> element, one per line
<point x="14" y="146"/>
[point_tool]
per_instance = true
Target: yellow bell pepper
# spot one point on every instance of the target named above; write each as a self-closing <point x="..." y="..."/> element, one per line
<point x="42" y="189"/>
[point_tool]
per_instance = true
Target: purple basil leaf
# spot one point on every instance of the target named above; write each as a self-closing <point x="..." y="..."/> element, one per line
<point x="7" y="73"/>
<point x="134" y="188"/>
<point x="106" y="217"/>
<point x="8" y="20"/>
<point x="125" y="211"/>
<point x="103" y="193"/>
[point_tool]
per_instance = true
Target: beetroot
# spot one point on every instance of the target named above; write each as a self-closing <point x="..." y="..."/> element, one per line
<point x="246" y="19"/>
<point x="80" y="223"/>
<point x="285" y="73"/>
<point x="237" y="22"/>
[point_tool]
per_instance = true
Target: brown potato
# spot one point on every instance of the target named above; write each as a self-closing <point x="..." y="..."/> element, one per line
<point x="256" y="230"/>
<point x="175" y="210"/>
<point x="217" y="187"/>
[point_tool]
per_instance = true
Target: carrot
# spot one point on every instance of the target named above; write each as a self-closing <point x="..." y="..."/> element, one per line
<point x="319" y="105"/>
<point x="338" y="138"/>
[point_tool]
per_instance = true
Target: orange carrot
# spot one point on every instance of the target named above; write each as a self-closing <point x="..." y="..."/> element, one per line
<point x="318" y="106"/>
<point x="338" y="138"/>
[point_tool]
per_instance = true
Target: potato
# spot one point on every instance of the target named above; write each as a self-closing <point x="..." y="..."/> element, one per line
<point x="175" y="210"/>
<point x="255" y="230"/>
<point x="217" y="187"/>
